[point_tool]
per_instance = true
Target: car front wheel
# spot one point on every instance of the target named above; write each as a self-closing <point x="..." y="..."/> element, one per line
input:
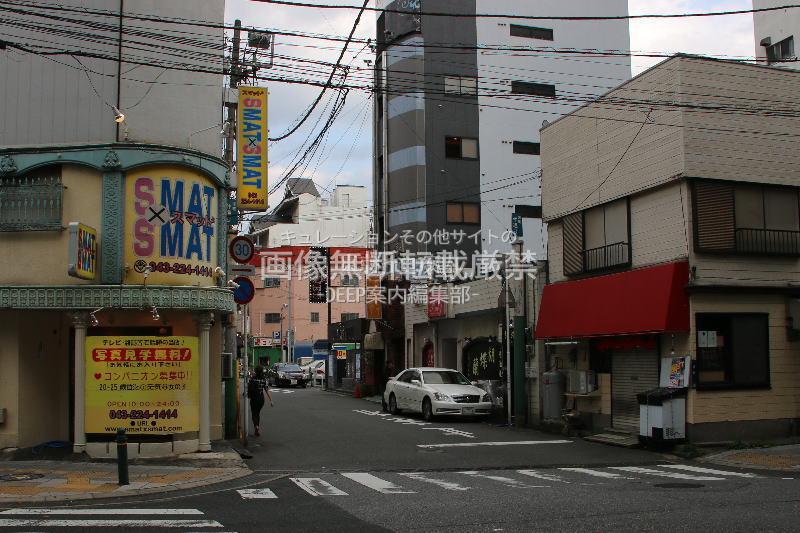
<point x="427" y="410"/>
<point x="393" y="405"/>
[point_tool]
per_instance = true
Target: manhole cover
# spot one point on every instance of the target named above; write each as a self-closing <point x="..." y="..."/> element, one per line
<point x="679" y="485"/>
<point x="24" y="476"/>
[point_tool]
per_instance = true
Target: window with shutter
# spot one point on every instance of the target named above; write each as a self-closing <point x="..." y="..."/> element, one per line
<point x="573" y="243"/>
<point x="714" y="219"/>
<point x="746" y="218"/>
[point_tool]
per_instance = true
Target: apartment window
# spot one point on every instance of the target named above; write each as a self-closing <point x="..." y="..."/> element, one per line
<point x="746" y="218"/>
<point x="460" y="148"/>
<point x="349" y="316"/>
<point x="272" y="318"/>
<point x="463" y="213"/>
<point x="272" y="283"/>
<point x="526" y="148"/>
<point x="461" y="85"/>
<point x="315" y="318"/>
<point x="781" y="51"/>
<point x="597" y="239"/>
<point x="732" y="350"/>
<point x="536" y="89"/>
<point x="531" y="32"/>
<point x="32" y="202"/>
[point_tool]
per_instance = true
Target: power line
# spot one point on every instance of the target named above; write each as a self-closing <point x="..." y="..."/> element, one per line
<point x="330" y="79"/>
<point x="535" y="17"/>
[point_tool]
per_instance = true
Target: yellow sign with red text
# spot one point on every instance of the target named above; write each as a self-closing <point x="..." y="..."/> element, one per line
<point x="251" y="149"/>
<point x="146" y="385"/>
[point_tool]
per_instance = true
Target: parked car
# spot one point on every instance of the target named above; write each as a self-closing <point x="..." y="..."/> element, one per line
<point x="318" y="378"/>
<point x="310" y="369"/>
<point x="286" y="375"/>
<point x="435" y="391"/>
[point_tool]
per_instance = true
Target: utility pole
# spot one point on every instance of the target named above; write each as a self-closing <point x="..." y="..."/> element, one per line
<point x="235" y="79"/>
<point x="507" y="330"/>
<point x="289" y="332"/>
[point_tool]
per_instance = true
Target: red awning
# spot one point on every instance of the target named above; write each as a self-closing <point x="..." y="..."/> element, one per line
<point x="648" y="300"/>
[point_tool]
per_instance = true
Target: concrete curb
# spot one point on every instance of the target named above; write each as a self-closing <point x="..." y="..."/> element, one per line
<point x="51" y="497"/>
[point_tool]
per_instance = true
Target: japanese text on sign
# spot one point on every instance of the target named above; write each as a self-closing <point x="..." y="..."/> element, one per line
<point x="147" y="385"/>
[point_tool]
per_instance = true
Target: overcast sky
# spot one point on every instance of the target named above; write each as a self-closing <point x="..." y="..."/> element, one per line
<point x="346" y="156"/>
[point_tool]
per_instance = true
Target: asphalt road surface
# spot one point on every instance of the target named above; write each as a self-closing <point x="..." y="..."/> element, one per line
<point x="331" y="463"/>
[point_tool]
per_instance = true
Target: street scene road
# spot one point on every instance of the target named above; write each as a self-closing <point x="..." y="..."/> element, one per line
<point x="326" y="462"/>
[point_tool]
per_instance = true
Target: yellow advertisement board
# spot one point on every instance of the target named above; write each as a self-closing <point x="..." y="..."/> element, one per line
<point x="82" y="251"/>
<point x="170" y="227"/>
<point x="251" y="149"/>
<point x="147" y="385"/>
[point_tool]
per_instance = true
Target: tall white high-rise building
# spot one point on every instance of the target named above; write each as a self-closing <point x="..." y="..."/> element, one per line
<point x="459" y="105"/>
<point x="776" y="32"/>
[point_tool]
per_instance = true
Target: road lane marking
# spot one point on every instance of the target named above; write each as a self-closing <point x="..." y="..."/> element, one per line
<point x="59" y="511"/>
<point x="507" y="481"/>
<point x="448" y="485"/>
<point x="257" y="494"/>
<point x="699" y="470"/>
<point x="501" y="443"/>
<point x="45" y="522"/>
<point x="540" y="475"/>
<point x="317" y="487"/>
<point x="661" y="473"/>
<point x="376" y="483"/>
<point x="453" y="432"/>
<point x="596" y="473"/>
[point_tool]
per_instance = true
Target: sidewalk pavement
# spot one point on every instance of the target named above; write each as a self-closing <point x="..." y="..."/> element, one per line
<point x="785" y="458"/>
<point x="40" y="481"/>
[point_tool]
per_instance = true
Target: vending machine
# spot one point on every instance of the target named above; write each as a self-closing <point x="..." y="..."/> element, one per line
<point x="662" y="411"/>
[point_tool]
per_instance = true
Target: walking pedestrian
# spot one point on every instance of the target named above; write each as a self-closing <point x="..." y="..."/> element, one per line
<point x="257" y="389"/>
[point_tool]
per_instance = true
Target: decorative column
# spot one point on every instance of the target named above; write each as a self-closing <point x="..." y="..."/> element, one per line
<point x="112" y="231"/>
<point x="204" y="321"/>
<point x="80" y="322"/>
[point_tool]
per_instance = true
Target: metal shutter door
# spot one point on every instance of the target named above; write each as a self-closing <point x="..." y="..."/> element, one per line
<point x="631" y="373"/>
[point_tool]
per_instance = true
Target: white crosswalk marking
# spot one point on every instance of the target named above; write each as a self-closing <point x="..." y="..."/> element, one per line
<point x="448" y="485"/>
<point x="596" y="473"/>
<point x="711" y="471"/>
<point x="661" y="473"/>
<point x="160" y="523"/>
<point x="317" y="487"/>
<point x="546" y="477"/>
<point x="66" y="511"/>
<point x="40" y="517"/>
<point x="257" y="494"/>
<point x="376" y="483"/>
<point x="507" y="481"/>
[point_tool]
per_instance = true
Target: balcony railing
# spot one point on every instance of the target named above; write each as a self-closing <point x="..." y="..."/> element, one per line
<point x="767" y="241"/>
<point x="30" y="203"/>
<point x="609" y="256"/>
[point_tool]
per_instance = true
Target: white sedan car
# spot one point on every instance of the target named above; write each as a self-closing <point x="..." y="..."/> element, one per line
<point x="435" y="391"/>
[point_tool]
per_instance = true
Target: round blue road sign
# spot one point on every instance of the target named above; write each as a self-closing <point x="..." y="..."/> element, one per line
<point x="245" y="291"/>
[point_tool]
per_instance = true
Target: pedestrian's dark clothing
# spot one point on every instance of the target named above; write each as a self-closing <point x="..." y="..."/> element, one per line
<point x="255" y="390"/>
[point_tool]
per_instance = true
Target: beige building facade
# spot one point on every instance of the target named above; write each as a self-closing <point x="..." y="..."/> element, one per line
<point x="141" y="293"/>
<point x="679" y="190"/>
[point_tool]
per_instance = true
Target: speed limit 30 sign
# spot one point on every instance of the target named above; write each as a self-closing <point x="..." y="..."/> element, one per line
<point x="242" y="249"/>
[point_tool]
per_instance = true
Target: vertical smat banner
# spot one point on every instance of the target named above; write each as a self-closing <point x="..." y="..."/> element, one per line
<point x="251" y="149"/>
<point x="147" y="385"/>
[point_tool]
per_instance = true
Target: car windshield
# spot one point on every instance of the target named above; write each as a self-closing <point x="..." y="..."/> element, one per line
<point x="289" y="368"/>
<point x="444" y="377"/>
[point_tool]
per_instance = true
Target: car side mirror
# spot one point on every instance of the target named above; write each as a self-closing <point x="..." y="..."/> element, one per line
<point x="475" y="383"/>
<point x="416" y="382"/>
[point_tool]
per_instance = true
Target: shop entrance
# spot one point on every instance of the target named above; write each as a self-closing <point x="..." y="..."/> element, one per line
<point x="632" y="372"/>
